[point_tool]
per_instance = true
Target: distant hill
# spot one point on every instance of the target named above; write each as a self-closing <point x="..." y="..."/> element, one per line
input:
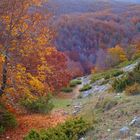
<point x="129" y="1"/>
<point x="59" y="7"/>
<point x="85" y="26"/>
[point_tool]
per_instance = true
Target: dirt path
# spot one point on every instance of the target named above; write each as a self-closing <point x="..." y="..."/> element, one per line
<point x="36" y="121"/>
<point x="72" y="95"/>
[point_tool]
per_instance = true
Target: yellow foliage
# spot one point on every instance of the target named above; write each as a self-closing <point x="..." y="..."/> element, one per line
<point x="36" y="85"/>
<point x="118" y="52"/>
<point x="50" y="50"/>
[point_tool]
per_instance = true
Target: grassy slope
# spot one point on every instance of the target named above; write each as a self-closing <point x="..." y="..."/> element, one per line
<point x="106" y="123"/>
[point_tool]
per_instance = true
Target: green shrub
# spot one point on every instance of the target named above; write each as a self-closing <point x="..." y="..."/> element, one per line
<point x="72" y="129"/>
<point x="67" y="89"/>
<point x="106" y="75"/>
<point x="7" y="119"/>
<point x="113" y="73"/>
<point x="96" y="77"/>
<point x="120" y="84"/>
<point x="106" y="104"/>
<point x="125" y="63"/>
<point x="74" y="83"/>
<point x="2" y="129"/>
<point x="86" y="87"/>
<point x="136" y="56"/>
<point x="39" y="105"/>
<point x="133" y="89"/>
<point x="135" y="75"/>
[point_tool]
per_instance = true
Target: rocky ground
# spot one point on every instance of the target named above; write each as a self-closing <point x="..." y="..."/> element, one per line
<point x="119" y="122"/>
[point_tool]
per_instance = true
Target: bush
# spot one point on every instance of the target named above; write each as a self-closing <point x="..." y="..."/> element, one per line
<point x="86" y="87"/>
<point x="125" y="63"/>
<point x="106" y="75"/>
<point x="67" y="89"/>
<point x="135" y="75"/>
<point x="113" y="73"/>
<point x="7" y="119"/>
<point x="136" y="56"/>
<point x="74" y="83"/>
<point x="2" y="129"/>
<point x="133" y="89"/>
<point x="72" y="129"/>
<point x="106" y="104"/>
<point x="39" y="105"/>
<point x="120" y="84"/>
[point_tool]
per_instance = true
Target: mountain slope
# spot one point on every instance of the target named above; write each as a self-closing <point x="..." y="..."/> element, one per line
<point x="85" y="26"/>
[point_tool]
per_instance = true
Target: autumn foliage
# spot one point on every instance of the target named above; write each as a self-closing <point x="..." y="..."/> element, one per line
<point x="29" y="64"/>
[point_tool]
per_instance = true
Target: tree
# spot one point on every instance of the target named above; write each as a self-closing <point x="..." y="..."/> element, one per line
<point x="19" y="28"/>
<point x="115" y="56"/>
<point x="31" y="65"/>
<point x="106" y="58"/>
<point x="100" y="60"/>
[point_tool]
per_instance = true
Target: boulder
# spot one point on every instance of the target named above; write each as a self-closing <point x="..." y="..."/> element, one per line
<point x="124" y="132"/>
<point x="137" y="135"/>
<point x="135" y="122"/>
<point x="82" y="138"/>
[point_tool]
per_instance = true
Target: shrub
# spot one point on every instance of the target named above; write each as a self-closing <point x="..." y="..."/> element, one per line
<point x="120" y="84"/>
<point x="67" y="89"/>
<point x="72" y="129"/>
<point x="136" y="56"/>
<point x="135" y="75"/>
<point x="86" y="87"/>
<point x="125" y="63"/>
<point x="39" y="105"/>
<point x="2" y="129"/>
<point x="106" y="104"/>
<point x="74" y="83"/>
<point x="113" y="73"/>
<point x="107" y="75"/>
<point x="7" y="119"/>
<point x="133" y="89"/>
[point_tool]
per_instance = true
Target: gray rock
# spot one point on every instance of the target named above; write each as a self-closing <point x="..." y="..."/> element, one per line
<point x="124" y="132"/>
<point x="135" y="122"/>
<point x="130" y="68"/>
<point x="82" y="138"/>
<point x="137" y="136"/>
<point x="75" y="112"/>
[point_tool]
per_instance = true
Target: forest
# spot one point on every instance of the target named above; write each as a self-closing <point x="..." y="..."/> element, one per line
<point x="59" y="60"/>
<point x="86" y="27"/>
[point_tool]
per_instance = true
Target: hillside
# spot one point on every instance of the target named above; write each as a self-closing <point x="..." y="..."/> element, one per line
<point x="112" y="114"/>
<point x="69" y="70"/>
<point x="83" y="27"/>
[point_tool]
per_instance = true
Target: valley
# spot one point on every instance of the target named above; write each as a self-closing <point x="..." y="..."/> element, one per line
<point x="69" y="70"/>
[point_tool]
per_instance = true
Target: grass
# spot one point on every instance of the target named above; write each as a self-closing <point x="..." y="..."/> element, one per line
<point x="66" y="89"/>
<point x="106" y="75"/>
<point x="86" y="87"/>
<point x="108" y="112"/>
<point x="106" y="104"/>
<point x="74" y="83"/>
<point x="125" y="63"/>
<point x="61" y="103"/>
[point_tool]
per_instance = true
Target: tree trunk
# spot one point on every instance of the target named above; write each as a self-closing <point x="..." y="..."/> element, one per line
<point x="4" y="77"/>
